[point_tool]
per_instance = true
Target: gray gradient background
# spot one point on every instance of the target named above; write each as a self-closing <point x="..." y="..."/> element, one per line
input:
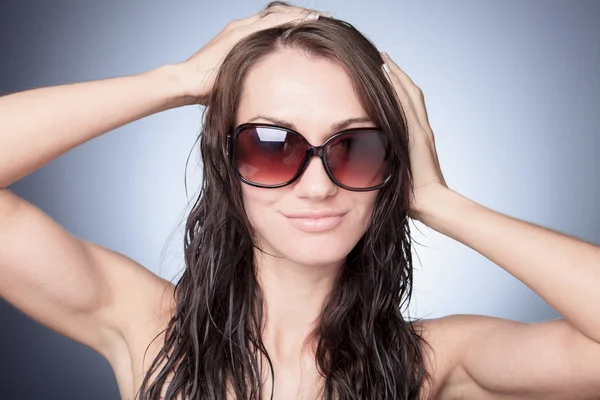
<point x="513" y="93"/>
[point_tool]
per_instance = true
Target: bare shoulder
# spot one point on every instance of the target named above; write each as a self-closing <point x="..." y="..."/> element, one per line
<point x="86" y="292"/>
<point x="143" y="306"/>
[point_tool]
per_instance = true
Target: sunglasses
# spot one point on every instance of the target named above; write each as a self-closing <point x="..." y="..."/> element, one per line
<point x="269" y="156"/>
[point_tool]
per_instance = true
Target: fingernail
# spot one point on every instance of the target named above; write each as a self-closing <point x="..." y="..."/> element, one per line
<point x="386" y="68"/>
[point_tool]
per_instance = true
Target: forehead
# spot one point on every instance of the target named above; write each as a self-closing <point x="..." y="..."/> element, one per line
<point x="311" y="93"/>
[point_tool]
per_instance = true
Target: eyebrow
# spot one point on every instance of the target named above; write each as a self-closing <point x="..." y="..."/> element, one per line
<point x="337" y="126"/>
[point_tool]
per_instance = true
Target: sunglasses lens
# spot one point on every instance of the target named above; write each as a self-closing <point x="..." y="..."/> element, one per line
<point x="268" y="156"/>
<point x="359" y="160"/>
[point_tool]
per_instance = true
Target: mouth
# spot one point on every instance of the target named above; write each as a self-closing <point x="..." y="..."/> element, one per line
<point x="315" y="222"/>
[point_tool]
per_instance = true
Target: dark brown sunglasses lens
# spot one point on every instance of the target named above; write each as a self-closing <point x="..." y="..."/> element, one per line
<point x="268" y="156"/>
<point x="359" y="160"/>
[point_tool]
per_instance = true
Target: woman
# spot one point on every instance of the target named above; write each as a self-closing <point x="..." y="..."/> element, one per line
<point x="296" y="266"/>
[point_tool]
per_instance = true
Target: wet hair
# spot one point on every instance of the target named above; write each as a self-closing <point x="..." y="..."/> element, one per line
<point x="365" y="348"/>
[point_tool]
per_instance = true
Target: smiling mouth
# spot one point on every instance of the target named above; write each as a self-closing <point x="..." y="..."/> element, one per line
<point x="316" y="224"/>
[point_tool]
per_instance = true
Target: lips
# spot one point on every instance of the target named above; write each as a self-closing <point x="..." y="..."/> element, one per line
<point x="315" y="221"/>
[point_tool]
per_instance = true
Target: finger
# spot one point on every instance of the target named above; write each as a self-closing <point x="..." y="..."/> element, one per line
<point x="276" y="19"/>
<point x="236" y="33"/>
<point x="388" y="73"/>
<point x="279" y="9"/>
<point x="408" y="84"/>
<point x="397" y="85"/>
<point x="414" y="92"/>
<point x="412" y="118"/>
<point x="283" y="8"/>
<point x="291" y="9"/>
<point x="236" y="23"/>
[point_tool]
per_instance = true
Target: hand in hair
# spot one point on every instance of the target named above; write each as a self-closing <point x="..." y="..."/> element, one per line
<point x="425" y="166"/>
<point x="201" y="68"/>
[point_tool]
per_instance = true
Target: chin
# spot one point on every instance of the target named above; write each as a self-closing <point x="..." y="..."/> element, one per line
<point x="316" y="250"/>
<point x="317" y="260"/>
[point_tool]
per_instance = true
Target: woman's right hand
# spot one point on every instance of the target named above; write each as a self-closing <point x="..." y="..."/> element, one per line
<point x="199" y="70"/>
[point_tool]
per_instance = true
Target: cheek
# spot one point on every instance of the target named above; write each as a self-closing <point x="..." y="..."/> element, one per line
<point x="365" y="202"/>
<point x="259" y="202"/>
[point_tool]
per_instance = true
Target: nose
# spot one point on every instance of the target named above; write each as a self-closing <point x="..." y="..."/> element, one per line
<point x="314" y="182"/>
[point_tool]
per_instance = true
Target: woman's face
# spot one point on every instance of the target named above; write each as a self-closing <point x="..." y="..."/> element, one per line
<point x="311" y="96"/>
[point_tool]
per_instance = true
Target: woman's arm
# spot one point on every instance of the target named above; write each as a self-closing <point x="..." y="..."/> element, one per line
<point x="69" y="285"/>
<point x="74" y="287"/>
<point x="562" y="270"/>
<point x="38" y="125"/>
<point x="500" y="359"/>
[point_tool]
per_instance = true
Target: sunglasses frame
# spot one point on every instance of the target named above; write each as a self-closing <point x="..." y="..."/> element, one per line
<point x="311" y="151"/>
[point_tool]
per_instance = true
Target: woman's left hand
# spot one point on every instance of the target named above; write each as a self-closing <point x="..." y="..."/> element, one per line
<point x="427" y="175"/>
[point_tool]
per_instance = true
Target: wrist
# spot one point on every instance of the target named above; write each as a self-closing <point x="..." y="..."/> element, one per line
<point x="172" y="81"/>
<point x="439" y="205"/>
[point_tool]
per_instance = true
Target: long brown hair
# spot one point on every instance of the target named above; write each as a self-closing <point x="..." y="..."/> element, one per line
<point x="366" y="349"/>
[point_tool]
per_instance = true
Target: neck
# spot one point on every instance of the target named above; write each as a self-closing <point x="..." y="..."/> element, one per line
<point x="294" y="297"/>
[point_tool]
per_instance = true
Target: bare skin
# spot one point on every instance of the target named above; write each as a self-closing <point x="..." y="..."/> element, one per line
<point x="82" y="290"/>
